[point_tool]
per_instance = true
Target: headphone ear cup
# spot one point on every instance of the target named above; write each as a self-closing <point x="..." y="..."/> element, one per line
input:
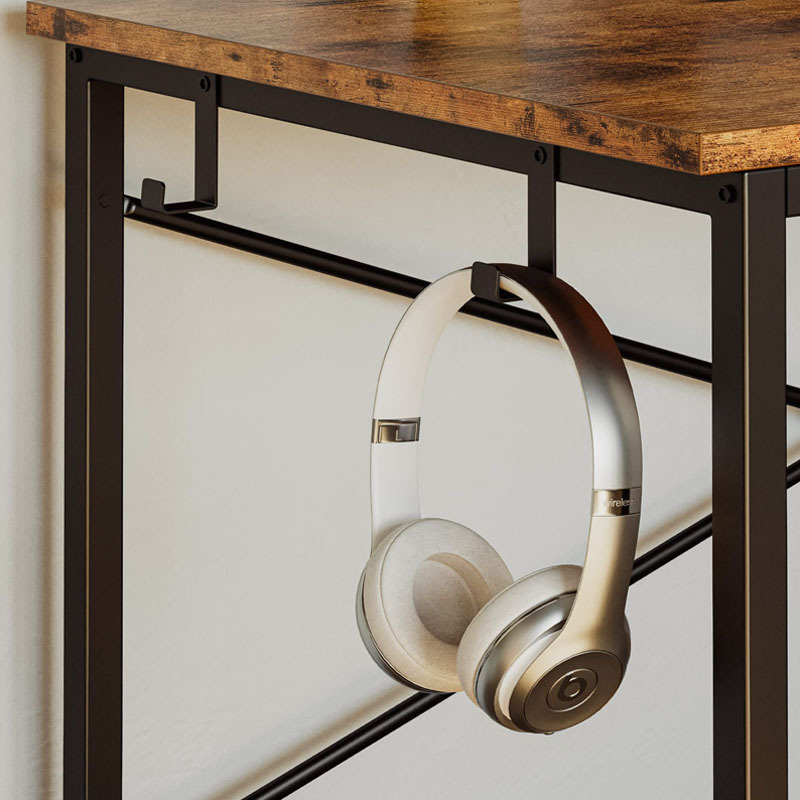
<point x="419" y="591"/>
<point x="549" y="593"/>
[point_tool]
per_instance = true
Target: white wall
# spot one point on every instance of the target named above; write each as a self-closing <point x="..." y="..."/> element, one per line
<point x="248" y="400"/>
<point x="31" y="275"/>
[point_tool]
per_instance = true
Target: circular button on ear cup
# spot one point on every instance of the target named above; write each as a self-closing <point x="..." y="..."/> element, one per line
<point x="421" y="588"/>
<point x="572" y="689"/>
<point x="567" y="694"/>
<point x="500" y="659"/>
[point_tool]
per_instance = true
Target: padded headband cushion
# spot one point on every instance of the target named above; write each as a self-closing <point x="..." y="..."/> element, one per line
<point x="525" y="595"/>
<point x="422" y="586"/>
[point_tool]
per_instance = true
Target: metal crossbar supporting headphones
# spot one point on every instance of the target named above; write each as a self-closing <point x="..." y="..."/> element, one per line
<point x="437" y="607"/>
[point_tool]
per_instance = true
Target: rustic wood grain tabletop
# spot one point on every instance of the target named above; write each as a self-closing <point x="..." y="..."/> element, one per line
<point x="692" y="85"/>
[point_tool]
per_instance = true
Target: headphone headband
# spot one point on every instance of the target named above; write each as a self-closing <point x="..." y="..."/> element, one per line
<point x="610" y="405"/>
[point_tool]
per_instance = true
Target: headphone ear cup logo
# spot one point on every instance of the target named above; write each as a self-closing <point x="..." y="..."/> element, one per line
<point x="572" y="689"/>
<point x="567" y="694"/>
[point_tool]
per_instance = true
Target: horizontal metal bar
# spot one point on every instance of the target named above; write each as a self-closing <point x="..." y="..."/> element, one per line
<point x="697" y="193"/>
<point x="654" y="184"/>
<point x="404" y="712"/>
<point x="211" y="230"/>
<point x="379" y="125"/>
<point x="137" y="73"/>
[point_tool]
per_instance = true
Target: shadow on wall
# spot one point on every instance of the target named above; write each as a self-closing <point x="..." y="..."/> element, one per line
<point x="32" y="247"/>
<point x="310" y="745"/>
<point x="689" y="515"/>
<point x="655" y="536"/>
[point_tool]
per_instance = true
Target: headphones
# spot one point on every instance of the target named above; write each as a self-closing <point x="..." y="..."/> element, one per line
<point x="437" y="607"/>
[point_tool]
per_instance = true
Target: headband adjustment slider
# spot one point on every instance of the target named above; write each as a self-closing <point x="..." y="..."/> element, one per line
<point x="392" y="431"/>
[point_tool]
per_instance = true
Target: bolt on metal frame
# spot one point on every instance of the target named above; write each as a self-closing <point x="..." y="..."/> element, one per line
<point x="748" y="213"/>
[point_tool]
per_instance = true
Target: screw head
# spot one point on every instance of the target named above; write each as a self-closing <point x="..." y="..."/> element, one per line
<point x="205" y="83"/>
<point x="540" y="155"/>
<point x="74" y="55"/>
<point x="104" y="200"/>
<point x="727" y="194"/>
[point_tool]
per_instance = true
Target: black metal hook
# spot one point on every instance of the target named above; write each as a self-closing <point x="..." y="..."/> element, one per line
<point x="206" y="137"/>
<point x="485" y="283"/>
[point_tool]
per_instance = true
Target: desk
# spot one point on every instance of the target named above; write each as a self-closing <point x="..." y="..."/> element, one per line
<point x="690" y="104"/>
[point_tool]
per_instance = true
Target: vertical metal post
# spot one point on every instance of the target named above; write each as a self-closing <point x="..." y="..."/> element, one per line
<point x="93" y="437"/>
<point x="542" y="208"/>
<point x="749" y="488"/>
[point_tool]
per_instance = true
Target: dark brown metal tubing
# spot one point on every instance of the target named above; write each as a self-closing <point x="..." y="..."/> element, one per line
<point x="404" y="712"/>
<point x="376" y="124"/>
<point x="93" y="438"/>
<point x="217" y="232"/>
<point x="75" y="431"/>
<point x="689" y="537"/>
<point x="749" y="493"/>
<point x="629" y="179"/>
<point x="75" y="428"/>
<point x="211" y="230"/>
<point x="104" y="412"/>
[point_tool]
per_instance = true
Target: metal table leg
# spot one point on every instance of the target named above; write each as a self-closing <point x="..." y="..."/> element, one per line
<point x="749" y="489"/>
<point x="93" y="438"/>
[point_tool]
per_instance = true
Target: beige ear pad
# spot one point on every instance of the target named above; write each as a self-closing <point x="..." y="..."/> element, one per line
<point x="504" y="610"/>
<point x="421" y="588"/>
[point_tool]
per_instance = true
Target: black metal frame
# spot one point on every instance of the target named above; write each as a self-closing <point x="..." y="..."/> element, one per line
<point x="748" y="213"/>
